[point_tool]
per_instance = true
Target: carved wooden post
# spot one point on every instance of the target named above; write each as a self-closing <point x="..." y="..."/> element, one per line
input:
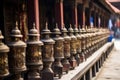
<point x="34" y="55"/>
<point x="16" y="56"/>
<point x="48" y="52"/>
<point x="3" y="58"/>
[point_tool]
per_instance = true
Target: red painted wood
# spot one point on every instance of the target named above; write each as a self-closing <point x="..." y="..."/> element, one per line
<point x="75" y="16"/>
<point x="59" y="14"/>
<point x="36" y="10"/>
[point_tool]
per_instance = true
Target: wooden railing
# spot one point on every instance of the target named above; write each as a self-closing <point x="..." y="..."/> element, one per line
<point x="88" y="69"/>
<point x="79" y="53"/>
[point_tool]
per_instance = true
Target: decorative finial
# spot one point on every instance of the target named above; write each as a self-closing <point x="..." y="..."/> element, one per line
<point x="33" y="31"/>
<point x="23" y="7"/>
<point x="56" y="30"/>
<point x="16" y="26"/>
<point x="46" y="25"/>
<point x="16" y="32"/>
<point x="64" y="28"/>
<point x="70" y="26"/>
<point x="46" y="30"/>
<point x="0" y="32"/>
<point x="79" y="26"/>
<point x="82" y="26"/>
<point x="63" y="25"/>
<point x="56" y="25"/>
<point x="86" y="26"/>
<point x="33" y="25"/>
<point x="70" y="29"/>
<point x="1" y="36"/>
<point x="75" y="29"/>
<point x="75" y="26"/>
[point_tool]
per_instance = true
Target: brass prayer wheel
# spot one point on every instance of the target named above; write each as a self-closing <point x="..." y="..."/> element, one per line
<point x="73" y="50"/>
<point x="93" y="42"/>
<point x="17" y="54"/>
<point x="77" y="57"/>
<point x="4" y="49"/>
<point x="47" y="54"/>
<point x="58" y="51"/>
<point x="83" y="42"/>
<point x="65" y="61"/>
<point x="34" y="55"/>
<point x="81" y="45"/>
<point x="87" y="45"/>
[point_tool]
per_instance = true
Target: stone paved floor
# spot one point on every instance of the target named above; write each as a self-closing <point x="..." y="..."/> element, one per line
<point x="111" y="67"/>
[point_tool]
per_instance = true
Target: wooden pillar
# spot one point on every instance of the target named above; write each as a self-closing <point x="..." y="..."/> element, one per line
<point x="36" y="10"/>
<point x="1" y="16"/>
<point x="97" y="16"/>
<point x="107" y="20"/>
<point x="100" y="20"/>
<point x="104" y="19"/>
<point x="33" y="13"/>
<point x="81" y="12"/>
<point x="91" y="14"/>
<point x="104" y="22"/>
<point x="59" y="13"/>
<point x="2" y="28"/>
<point x="103" y="16"/>
<point x="84" y="16"/>
<point x="74" y="14"/>
<point x="95" y="22"/>
<point x="88" y="15"/>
